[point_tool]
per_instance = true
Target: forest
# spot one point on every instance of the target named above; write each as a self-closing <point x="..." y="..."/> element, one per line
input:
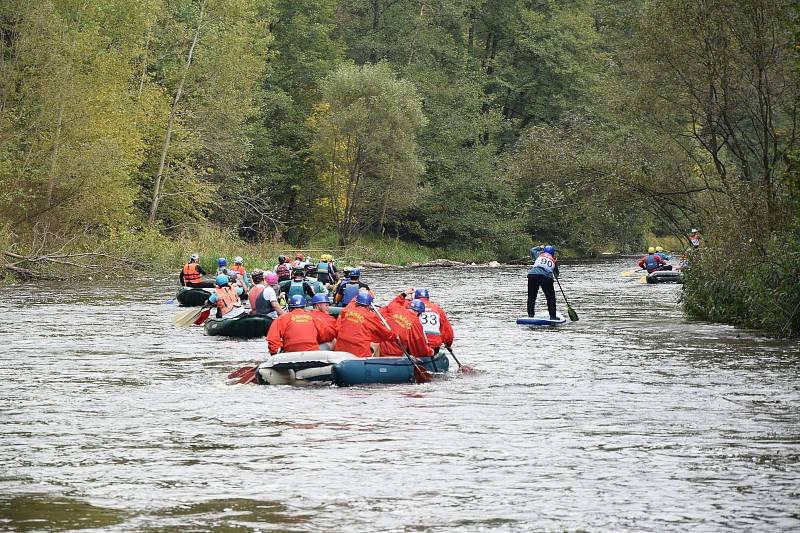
<point x="134" y="132"/>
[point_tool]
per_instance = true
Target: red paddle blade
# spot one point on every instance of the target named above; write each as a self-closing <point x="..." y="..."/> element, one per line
<point x="248" y="377"/>
<point x="202" y="318"/>
<point x="421" y="375"/>
<point x="240" y="372"/>
<point x="466" y="369"/>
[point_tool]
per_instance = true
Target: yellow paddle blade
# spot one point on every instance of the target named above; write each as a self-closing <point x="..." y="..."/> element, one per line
<point x="187" y="318"/>
<point x="643" y="279"/>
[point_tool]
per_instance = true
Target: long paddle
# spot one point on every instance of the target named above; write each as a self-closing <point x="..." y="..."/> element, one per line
<point x="187" y="318"/>
<point x="420" y="374"/>
<point x="203" y="317"/>
<point x="461" y="368"/>
<point x="573" y="316"/>
<point x="629" y="273"/>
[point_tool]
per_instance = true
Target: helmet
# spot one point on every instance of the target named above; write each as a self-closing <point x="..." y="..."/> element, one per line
<point x="299" y="256"/>
<point x="421" y="293"/>
<point x="281" y="259"/>
<point x="651" y="250"/>
<point x="549" y="250"/>
<point x="297" y="269"/>
<point x="320" y="298"/>
<point x="693" y="230"/>
<point x="347" y="271"/>
<point x="297" y="301"/>
<point x="222" y="280"/>
<point x="257" y="273"/>
<point x="194" y="257"/>
<point x="355" y="273"/>
<point x="659" y="249"/>
<point x="311" y="268"/>
<point x="364" y="298"/>
<point x="238" y="260"/>
<point x="272" y="278"/>
<point x="222" y="262"/>
<point x="417" y="305"/>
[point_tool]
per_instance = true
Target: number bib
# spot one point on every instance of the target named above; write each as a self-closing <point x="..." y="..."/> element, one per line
<point x="545" y="262"/>
<point x="431" y="322"/>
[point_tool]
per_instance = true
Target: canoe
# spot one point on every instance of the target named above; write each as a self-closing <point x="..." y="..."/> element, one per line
<point x="188" y="297"/>
<point x="242" y="328"/>
<point x="665" y="276"/>
<point x="540" y="319"/>
<point x="299" y="368"/>
<point x="373" y="370"/>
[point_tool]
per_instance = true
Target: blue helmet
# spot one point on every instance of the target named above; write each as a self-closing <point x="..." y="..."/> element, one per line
<point x="222" y="262"/>
<point x="320" y="298"/>
<point x="364" y="298"/>
<point x="355" y="273"/>
<point x="417" y="305"/>
<point x="222" y="280"/>
<point x="297" y="301"/>
<point x="421" y="293"/>
<point x="549" y="250"/>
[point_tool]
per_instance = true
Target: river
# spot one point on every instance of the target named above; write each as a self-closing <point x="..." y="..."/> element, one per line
<point x="634" y="418"/>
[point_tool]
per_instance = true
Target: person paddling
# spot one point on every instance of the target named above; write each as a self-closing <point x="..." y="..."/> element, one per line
<point x="238" y="267"/>
<point x="226" y="298"/>
<point x="192" y="274"/>
<point x="298" y="286"/>
<point x="435" y="323"/>
<point x="295" y="331"/>
<point x="282" y="269"/>
<point x="321" y="303"/>
<point x="652" y="262"/>
<point x="404" y="320"/>
<point x="358" y="327"/>
<point x="350" y="289"/>
<point x="263" y="299"/>
<point x="543" y="274"/>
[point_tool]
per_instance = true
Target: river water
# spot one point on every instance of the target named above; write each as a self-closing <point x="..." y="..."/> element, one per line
<point x="633" y="418"/>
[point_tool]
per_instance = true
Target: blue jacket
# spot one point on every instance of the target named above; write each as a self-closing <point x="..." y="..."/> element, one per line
<point x="535" y="251"/>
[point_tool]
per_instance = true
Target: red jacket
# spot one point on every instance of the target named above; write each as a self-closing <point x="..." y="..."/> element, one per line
<point x="295" y="331"/>
<point x="436" y="325"/>
<point x="406" y="324"/>
<point x="658" y="260"/>
<point x="356" y="328"/>
<point x="327" y="325"/>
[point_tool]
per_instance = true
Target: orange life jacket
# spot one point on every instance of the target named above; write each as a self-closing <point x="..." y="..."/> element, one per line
<point x="190" y="273"/>
<point x="239" y="269"/>
<point x="227" y="299"/>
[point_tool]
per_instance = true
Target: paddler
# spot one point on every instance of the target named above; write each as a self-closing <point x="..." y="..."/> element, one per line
<point x="652" y="262"/>
<point x="435" y="323"/>
<point x="404" y="320"/>
<point x="326" y="271"/>
<point x="662" y="254"/>
<point x="297" y="286"/>
<point x="295" y="331"/>
<point x="283" y="269"/>
<point x="263" y="299"/>
<point x="238" y="267"/>
<point x="358" y="327"/>
<point x="192" y="274"/>
<point x="542" y="274"/>
<point x="226" y="298"/>
<point x="321" y="303"/>
<point x="349" y="289"/>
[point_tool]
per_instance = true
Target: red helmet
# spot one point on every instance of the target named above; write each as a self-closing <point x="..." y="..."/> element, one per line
<point x="299" y="256"/>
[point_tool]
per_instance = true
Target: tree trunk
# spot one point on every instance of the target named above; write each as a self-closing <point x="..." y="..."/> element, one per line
<point x="168" y="135"/>
<point x="51" y="178"/>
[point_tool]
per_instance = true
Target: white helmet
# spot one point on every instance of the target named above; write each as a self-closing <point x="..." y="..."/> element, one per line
<point x="238" y="260"/>
<point x="195" y="256"/>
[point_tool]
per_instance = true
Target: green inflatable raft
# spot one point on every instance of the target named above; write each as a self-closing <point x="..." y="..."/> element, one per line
<point x="189" y="297"/>
<point x="250" y="327"/>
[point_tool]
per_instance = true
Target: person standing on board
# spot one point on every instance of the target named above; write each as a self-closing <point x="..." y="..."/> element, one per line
<point x="295" y="331"/>
<point x="192" y="274"/>
<point x="542" y="274"/>
<point x="434" y="322"/>
<point x="652" y="261"/>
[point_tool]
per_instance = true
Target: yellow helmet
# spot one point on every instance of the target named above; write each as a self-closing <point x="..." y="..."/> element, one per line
<point x="659" y="249"/>
<point x="651" y="250"/>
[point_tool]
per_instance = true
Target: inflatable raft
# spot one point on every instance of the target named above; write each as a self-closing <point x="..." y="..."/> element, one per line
<point x="342" y="368"/>
<point x="192" y="297"/>
<point x="540" y="319"/>
<point x="665" y="276"/>
<point x="243" y="328"/>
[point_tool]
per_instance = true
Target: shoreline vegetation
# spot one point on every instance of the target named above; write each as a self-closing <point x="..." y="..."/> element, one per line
<point x="398" y="133"/>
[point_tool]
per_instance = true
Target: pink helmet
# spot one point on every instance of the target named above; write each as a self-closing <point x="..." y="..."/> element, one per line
<point x="272" y="278"/>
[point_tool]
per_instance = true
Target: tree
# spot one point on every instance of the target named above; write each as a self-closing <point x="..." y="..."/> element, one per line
<point x="366" y="143"/>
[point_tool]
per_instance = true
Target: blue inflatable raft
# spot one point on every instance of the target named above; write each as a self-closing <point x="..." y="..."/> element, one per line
<point x="372" y="370"/>
<point x="540" y="319"/>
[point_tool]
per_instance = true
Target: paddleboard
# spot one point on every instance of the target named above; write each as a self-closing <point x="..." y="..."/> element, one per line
<point x="540" y="319"/>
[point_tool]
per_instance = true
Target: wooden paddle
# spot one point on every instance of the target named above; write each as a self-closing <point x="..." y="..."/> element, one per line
<point x="203" y="317"/>
<point x="420" y="374"/>
<point x="629" y="273"/>
<point x="573" y="316"/>
<point x="466" y="369"/>
<point x="187" y="318"/>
